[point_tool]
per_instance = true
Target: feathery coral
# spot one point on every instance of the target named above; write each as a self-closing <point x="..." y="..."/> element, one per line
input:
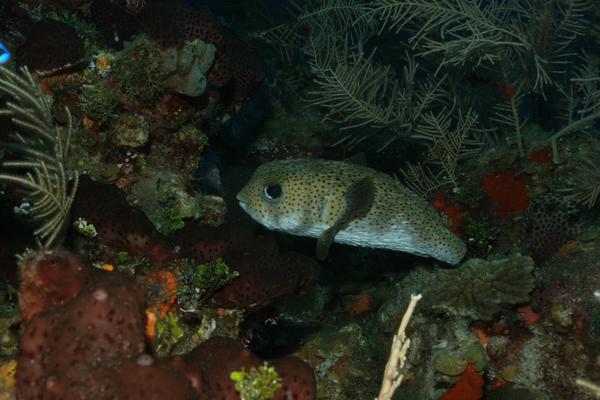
<point x="43" y="149"/>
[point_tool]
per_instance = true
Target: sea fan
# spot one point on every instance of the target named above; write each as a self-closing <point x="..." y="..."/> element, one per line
<point x="582" y="94"/>
<point x="42" y="147"/>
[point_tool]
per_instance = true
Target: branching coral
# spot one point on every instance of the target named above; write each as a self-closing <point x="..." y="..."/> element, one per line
<point x="523" y="48"/>
<point x="476" y="32"/>
<point x="356" y="92"/>
<point x="507" y="114"/>
<point x="583" y="97"/>
<point x="586" y="186"/>
<point x="43" y="147"/>
<point x="342" y="16"/>
<point x="353" y="90"/>
<point x="447" y="148"/>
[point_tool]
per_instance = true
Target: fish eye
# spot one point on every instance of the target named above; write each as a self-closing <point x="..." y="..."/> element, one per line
<point x="272" y="192"/>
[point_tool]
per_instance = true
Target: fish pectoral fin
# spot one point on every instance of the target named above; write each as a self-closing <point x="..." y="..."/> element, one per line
<point x="324" y="242"/>
<point x="359" y="199"/>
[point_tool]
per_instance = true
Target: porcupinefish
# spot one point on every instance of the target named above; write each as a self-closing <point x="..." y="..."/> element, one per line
<point x="349" y="204"/>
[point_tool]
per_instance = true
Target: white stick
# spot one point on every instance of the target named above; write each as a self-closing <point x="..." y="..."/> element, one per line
<point x="394" y="369"/>
<point x="595" y="389"/>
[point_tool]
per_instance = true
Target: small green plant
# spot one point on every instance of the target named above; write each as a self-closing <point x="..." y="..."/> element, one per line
<point x="174" y="221"/>
<point x="199" y="282"/>
<point x="84" y="228"/>
<point x="169" y="332"/>
<point x="122" y="257"/>
<point x="257" y="384"/>
<point x="170" y="213"/>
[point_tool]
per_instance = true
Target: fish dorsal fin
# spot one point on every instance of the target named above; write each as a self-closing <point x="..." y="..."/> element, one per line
<point x="357" y="159"/>
<point x="358" y="201"/>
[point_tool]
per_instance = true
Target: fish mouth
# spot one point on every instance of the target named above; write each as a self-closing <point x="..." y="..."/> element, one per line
<point x="243" y="203"/>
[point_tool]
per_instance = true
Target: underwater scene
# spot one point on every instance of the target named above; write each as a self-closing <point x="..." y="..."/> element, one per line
<point x="300" y="199"/>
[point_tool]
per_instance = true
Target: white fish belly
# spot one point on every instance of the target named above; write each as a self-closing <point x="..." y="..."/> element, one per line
<point x="365" y="236"/>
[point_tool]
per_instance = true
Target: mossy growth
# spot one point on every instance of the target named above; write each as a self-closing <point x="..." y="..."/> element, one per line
<point x="170" y="216"/>
<point x="256" y="384"/>
<point x="174" y="220"/>
<point x="128" y="264"/>
<point x="138" y="71"/>
<point x="84" y="228"/>
<point x="98" y="102"/>
<point x="169" y="332"/>
<point x="480" y="289"/>
<point x="197" y="283"/>
<point x="10" y="320"/>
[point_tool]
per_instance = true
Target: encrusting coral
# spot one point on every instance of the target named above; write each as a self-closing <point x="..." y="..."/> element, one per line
<point x="480" y="289"/>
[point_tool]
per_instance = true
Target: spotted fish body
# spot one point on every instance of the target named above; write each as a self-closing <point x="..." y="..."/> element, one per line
<point x="349" y="204"/>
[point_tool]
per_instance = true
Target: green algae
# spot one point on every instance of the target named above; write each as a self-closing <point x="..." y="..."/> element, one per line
<point x="169" y="332"/>
<point x="256" y="384"/>
<point x="199" y="281"/>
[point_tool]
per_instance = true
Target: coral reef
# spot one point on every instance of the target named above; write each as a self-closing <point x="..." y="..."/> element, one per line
<point x="256" y="384"/>
<point x="235" y="65"/>
<point x="199" y="282"/>
<point x="480" y="289"/>
<point x="188" y="67"/>
<point x="181" y="69"/>
<point x="119" y="225"/>
<point x="139" y="71"/>
<point x="131" y="130"/>
<point x="98" y="102"/>
<point x="488" y="110"/>
<point x="265" y="274"/>
<point x="79" y="340"/>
